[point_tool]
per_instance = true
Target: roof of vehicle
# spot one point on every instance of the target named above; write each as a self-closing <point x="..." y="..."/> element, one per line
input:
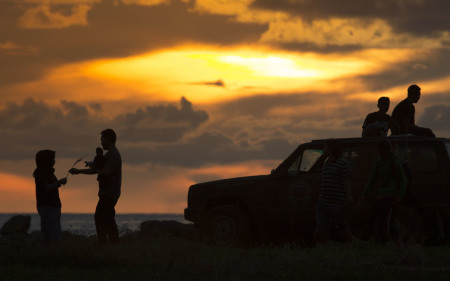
<point x="396" y="137"/>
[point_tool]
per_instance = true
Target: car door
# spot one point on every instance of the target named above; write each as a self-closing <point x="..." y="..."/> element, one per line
<point x="291" y="196"/>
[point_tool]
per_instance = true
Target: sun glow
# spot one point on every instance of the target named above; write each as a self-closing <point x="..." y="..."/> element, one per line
<point x="206" y="74"/>
<point x="188" y="71"/>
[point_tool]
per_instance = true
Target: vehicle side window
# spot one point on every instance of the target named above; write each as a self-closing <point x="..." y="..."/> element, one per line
<point x="361" y="159"/>
<point x="423" y="159"/>
<point x="305" y="162"/>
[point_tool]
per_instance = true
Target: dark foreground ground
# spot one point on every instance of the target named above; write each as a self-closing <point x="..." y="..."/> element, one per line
<point x="174" y="258"/>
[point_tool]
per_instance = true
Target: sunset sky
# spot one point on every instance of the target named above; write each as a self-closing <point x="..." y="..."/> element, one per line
<point x="203" y="89"/>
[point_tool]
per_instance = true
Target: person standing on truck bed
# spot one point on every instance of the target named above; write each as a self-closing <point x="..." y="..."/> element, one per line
<point x="404" y="112"/>
<point x="389" y="178"/>
<point x="335" y="194"/>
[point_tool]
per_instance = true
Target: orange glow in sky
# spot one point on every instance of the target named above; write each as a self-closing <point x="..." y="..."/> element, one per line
<point x="194" y="72"/>
<point x="169" y="74"/>
<point x="235" y="82"/>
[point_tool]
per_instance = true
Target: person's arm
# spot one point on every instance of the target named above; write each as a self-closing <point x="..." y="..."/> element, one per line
<point x="110" y="165"/>
<point x="55" y="185"/>
<point x="42" y="182"/>
<point x="90" y="171"/>
<point x="366" y="121"/>
<point x="401" y="179"/>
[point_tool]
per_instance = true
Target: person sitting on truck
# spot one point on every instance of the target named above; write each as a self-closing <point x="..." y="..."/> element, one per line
<point x="379" y="122"/>
<point x="403" y="115"/>
<point x="335" y="194"/>
<point x="389" y="178"/>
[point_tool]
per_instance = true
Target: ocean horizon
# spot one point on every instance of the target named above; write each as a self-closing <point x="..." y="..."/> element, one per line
<point x="83" y="223"/>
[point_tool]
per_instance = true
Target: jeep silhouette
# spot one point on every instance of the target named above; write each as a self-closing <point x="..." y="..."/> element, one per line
<point x="280" y="206"/>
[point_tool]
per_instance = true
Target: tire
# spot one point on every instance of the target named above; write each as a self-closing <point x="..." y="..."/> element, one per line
<point x="225" y="225"/>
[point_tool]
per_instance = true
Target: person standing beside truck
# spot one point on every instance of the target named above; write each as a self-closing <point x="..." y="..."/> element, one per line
<point x="389" y="179"/>
<point x="335" y="194"/>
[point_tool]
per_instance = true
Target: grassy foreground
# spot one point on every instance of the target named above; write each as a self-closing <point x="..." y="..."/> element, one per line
<point x="166" y="258"/>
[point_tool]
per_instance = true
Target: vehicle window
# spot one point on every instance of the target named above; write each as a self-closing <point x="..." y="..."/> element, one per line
<point x="310" y="157"/>
<point x="360" y="158"/>
<point x="305" y="162"/>
<point x="423" y="159"/>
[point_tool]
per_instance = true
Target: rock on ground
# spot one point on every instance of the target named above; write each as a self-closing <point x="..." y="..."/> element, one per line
<point x="16" y="226"/>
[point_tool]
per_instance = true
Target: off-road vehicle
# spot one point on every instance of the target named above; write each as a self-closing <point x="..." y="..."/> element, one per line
<point x="280" y="205"/>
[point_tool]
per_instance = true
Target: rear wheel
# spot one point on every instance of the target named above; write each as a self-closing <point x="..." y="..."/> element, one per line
<point x="225" y="225"/>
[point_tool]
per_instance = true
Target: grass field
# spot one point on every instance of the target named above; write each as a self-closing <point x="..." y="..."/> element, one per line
<point x="166" y="258"/>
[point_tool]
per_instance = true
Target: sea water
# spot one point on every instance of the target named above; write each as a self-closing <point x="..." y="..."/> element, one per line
<point x="83" y="224"/>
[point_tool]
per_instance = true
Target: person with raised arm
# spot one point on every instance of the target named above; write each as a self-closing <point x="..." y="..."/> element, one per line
<point x="109" y="182"/>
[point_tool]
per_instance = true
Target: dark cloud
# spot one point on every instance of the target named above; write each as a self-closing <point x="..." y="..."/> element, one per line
<point x="415" y="71"/>
<point x="440" y="97"/>
<point x="115" y="30"/>
<point x="309" y="116"/>
<point x="181" y="135"/>
<point x="423" y="18"/>
<point x="260" y="106"/>
<point x="436" y="117"/>
<point x="312" y="47"/>
<point x="166" y="113"/>
<point x="159" y="134"/>
<point x="72" y="127"/>
<point x="211" y="148"/>
<point x="218" y="83"/>
<point x="96" y="106"/>
<point x="161" y="123"/>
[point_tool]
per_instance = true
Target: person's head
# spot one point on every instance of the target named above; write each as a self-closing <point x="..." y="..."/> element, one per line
<point x="385" y="149"/>
<point x="383" y="104"/>
<point x="45" y="159"/>
<point x="414" y="93"/>
<point x="332" y="148"/>
<point x="108" y="138"/>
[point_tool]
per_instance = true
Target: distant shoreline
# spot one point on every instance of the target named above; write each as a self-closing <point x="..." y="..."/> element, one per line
<point x="83" y="223"/>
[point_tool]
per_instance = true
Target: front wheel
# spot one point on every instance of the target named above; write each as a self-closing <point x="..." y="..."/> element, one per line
<point x="225" y="225"/>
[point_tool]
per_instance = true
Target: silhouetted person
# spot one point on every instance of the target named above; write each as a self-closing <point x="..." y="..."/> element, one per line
<point x="335" y="194"/>
<point x="404" y="112"/>
<point x="47" y="197"/>
<point x="388" y="177"/>
<point x="379" y="122"/>
<point x="109" y="181"/>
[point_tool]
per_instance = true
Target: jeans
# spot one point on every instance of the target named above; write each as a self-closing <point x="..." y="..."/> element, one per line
<point x="105" y="224"/>
<point x="50" y="224"/>
<point x="328" y="217"/>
